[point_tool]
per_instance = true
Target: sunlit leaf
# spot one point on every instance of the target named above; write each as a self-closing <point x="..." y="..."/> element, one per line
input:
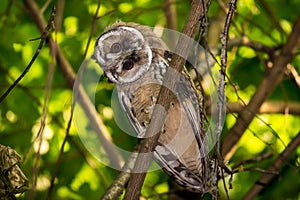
<point x="125" y="7"/>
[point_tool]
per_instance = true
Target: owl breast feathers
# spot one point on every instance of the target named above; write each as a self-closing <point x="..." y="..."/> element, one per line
<point x="134" y="58"/>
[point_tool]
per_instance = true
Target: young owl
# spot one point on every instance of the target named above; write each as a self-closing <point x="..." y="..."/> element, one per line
<point x="134" y="58"/>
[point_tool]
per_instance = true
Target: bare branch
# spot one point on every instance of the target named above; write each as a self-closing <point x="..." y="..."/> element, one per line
<point x="83" y="99"/>
<point x="45" y="31"/>
<point x="59" y="15"/>
<point x="171" y="20"/>
<point x="263" y="91"/>
<point x="277" y="164"/>
<point x="251" y="160"/>
<point x="116" y="188"/>
<point x="95" y="18"/>
<point x="245" y="41"/>
<point x="221" y="89"/>
<point x="221" y="105"/>
<point x="164" y="99"/>
<point x="269" y="107"/>
<point x="294" y="74"/>
<point x="170" y="14"/>
<point x="272" y="16"/>
<point x="39" y="136"/>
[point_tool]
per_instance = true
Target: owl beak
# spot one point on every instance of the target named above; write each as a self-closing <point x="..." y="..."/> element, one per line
<point x="133" y="56"/>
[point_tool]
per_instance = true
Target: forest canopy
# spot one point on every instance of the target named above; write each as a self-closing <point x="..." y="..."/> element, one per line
<point x="44" y="45"/>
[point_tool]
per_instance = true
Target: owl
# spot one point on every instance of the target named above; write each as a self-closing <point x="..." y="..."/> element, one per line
<point x="134" y="58"/>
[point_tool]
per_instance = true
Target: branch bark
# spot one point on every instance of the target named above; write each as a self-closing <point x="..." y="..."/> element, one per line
<point x="263" y="91"/>
<point x="269" y="107"/>
<point x="116" y="188"/>
<point x="170" y="14"/>
<point x="245" y="41"/>
<point x="70" y="76"/>
<point x="171" y="20"/>
<point x="221" y="88"/>
<point x="164" y="99"/>
<point x="277" y="164"/>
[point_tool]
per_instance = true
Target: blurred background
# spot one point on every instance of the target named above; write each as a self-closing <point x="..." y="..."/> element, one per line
<point x="34" y="117"/>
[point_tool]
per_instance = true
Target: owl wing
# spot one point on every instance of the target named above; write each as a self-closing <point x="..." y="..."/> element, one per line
<point x="190" y="101"/>
<point x="128" y="108"/>
<point x="175" y="168"/>
<point x="187" y="175"/>
<point x="190" y="172"/>
<point x="138" y="100"/>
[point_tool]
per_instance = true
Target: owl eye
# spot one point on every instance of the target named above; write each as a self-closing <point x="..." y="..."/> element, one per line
<point x="128" y="64"/>
<point x="115" y="48"/>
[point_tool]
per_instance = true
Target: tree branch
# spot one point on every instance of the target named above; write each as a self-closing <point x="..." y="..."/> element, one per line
<point x="245" y="41"/>
<point x="269" y="107"/>
<point x="164" y="99"/>
<point x="277" y="164"/>
<point x="44" y="34"/>
<point x="171" y="20"/>
<point x="170" y="14"/>
<point x="116" y="188"/>
<point x="70" y="76"/>
<point x="263" y="91"/>
<point x="221" y="88"/>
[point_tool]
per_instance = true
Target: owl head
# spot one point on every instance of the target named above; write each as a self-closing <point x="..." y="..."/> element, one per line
<point x="125" y="51"/>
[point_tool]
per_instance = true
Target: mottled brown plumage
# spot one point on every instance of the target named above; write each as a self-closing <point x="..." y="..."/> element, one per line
<point x="133" y="57"/>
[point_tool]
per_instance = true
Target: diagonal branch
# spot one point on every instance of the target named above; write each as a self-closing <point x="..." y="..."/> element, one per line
<point x="164" y="99"/>
<point x="268" y="107"/>
<point x="277" y="164"/>
<point x="221" y="88"/>
<point x="45" y="32"/>
<point x="40" y="133"/>
<point x="70" y="76"/>
<point x="263" y="91"/>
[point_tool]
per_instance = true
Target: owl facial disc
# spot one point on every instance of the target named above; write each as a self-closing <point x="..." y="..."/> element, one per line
<point x="123" y="54"/>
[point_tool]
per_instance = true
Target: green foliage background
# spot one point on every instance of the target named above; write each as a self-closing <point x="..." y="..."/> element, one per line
<point x="80" y="175"/>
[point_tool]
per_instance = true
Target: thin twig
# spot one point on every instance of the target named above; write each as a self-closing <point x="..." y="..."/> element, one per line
<point x="58" y="162"/>
<point x="75" y="96"/>
<point x="39" y="136"/>
<point x="294" y="74"/>
<point x="251" y="160"/>
<point x="268" y="107"/>
<point x="26" y="89"/>
<point x="221" y="90"/>
<point x="245" y="41"/>
<point x="37" y="52"/>
<point x="263" y="91"/>
<point x="116" y="188"/>
<point x="45" y="6"/>
<point x="221" y="104"/>
<point x="171" y="21"/>
<point x="257" y="169"/>
<point x="70" y="77"/>
<point x="95" y="18"/>
<point x="271" y="14"/>
<point x="60" y="14"/>
<point x="170" y="14"/>
<point x="277" y="164"/>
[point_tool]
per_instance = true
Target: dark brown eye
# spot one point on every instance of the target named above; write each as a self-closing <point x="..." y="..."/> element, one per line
<point x="115" y="48"/>
<point x="128" y="64"/>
